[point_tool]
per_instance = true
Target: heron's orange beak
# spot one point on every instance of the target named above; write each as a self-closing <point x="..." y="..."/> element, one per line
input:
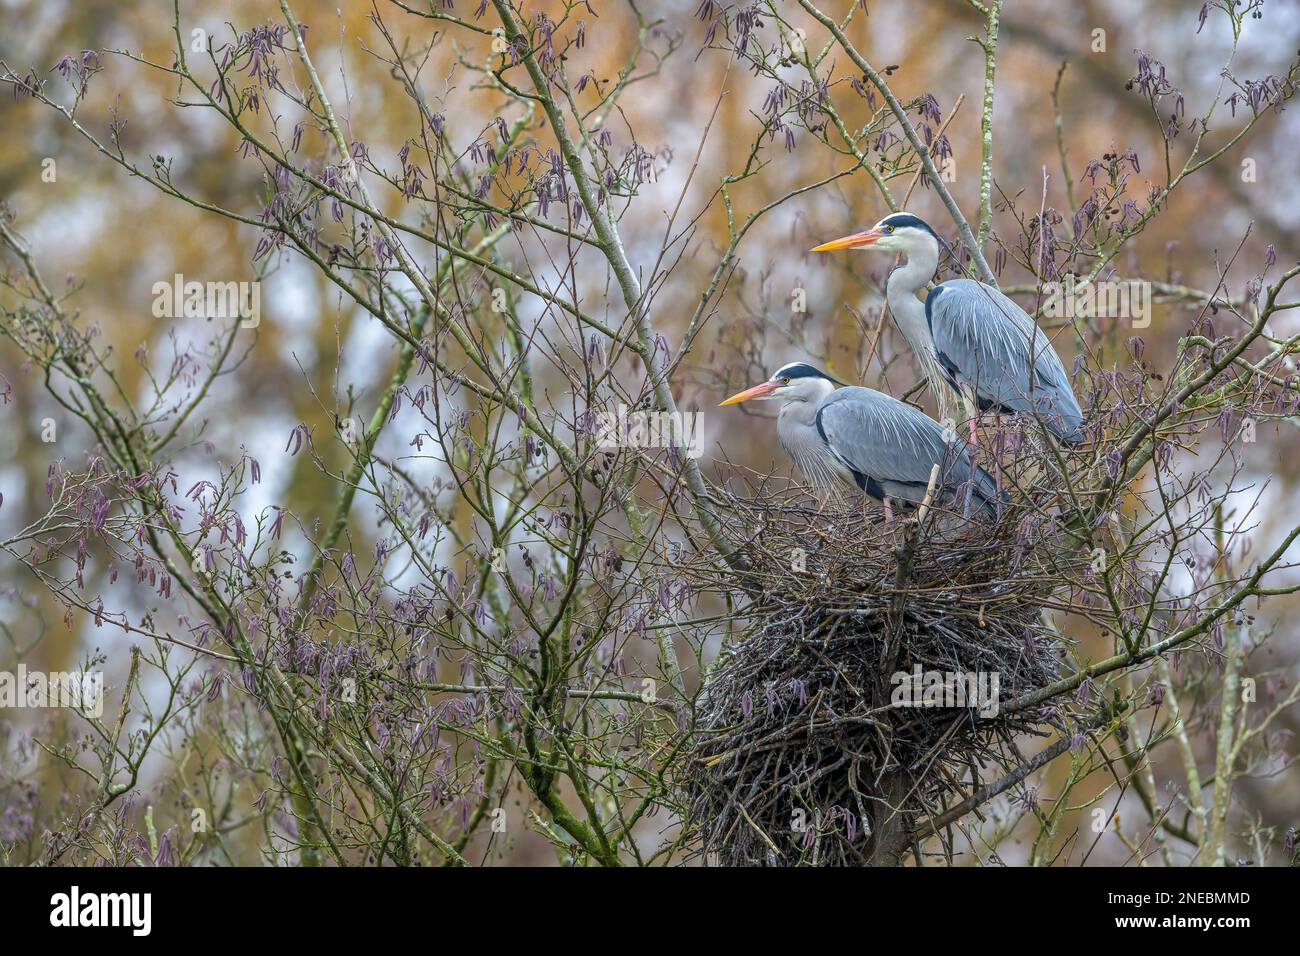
<point x="849" y="242"/>
<point x="758" y="391"/>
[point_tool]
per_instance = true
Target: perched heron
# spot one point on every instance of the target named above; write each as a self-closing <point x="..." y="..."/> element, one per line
<point x="886" y="447"/>
<point x="969" y="335"/>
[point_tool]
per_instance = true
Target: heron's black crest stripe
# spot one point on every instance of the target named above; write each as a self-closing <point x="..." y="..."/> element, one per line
<point x="802" y="370"/>
<point x="901" y="220"/>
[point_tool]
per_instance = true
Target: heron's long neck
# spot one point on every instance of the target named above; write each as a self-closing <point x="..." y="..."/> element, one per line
<point x="904" y="282"/>
<point x="803" y="410"/>
<point x="796" y="426"/>
<point x="909" y="313"/>
<point x="800" y="413"/>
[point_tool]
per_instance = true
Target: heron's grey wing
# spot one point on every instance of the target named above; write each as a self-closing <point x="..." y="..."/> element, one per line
<point x="891" y="444"/>
<point x="984" y="341"/>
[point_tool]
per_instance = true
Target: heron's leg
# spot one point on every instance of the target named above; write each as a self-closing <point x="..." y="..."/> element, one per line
<point x="999" y="447"/>
<point x="889" y="511"/>
<point x="973" y="415"/>
<point x="974" y="470"/>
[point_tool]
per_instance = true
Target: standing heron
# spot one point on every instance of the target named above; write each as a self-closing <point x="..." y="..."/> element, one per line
<point x="886" y="447"/>
<point x="969" y="335"/>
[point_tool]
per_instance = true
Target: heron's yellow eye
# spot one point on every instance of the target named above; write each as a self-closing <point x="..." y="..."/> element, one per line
<point x="889" y="229"/>
<point x="785" y="381"/>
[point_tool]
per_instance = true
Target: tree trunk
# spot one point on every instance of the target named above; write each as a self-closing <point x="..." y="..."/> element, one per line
<point x="890" y="821"/>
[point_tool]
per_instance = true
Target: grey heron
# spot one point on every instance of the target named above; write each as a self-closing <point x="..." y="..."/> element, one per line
<point x="867" y="438"/>
<point x="968" y="334"/>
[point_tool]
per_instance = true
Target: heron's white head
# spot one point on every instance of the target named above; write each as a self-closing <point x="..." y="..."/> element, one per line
<point x="900" y="232"/>
<point x="796" y="382"/>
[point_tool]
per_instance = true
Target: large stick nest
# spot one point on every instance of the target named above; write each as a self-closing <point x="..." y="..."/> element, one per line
<point x="801" y="756"/>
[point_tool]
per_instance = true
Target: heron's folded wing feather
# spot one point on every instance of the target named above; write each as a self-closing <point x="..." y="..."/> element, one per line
<point x="987" y="339"/>
<point x="879" y="436"/>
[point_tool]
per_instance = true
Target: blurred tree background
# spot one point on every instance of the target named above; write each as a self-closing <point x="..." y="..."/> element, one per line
<point x="116" y="236"/>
